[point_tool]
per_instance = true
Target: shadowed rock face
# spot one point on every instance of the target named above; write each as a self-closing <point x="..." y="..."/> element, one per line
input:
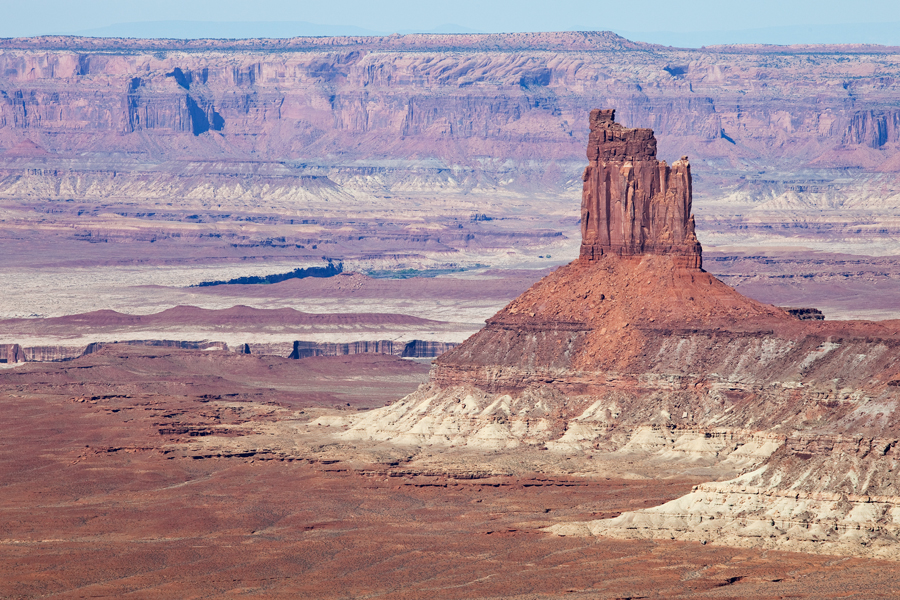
<point x="633" y="204"/>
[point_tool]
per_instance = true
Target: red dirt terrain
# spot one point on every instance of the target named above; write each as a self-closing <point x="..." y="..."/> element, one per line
<point x="244" y="316"/>
<point x="101" y="499"/>
<point x="604" y="401"/>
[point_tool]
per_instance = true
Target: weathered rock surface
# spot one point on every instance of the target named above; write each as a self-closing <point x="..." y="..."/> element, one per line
<point x="633" y="204"/>
<point x="817" y="493"/>
<point x="639" y="354"/>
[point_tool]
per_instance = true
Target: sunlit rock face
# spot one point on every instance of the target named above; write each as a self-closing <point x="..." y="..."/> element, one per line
<point x="634" y="353"/>
<point x="632" y="203"/>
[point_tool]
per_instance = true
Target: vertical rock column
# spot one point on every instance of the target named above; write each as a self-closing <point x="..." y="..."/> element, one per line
<point x="11" y="353"/>
<point x="633" y="204"/>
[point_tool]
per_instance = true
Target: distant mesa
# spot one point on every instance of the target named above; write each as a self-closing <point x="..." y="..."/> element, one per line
<point x="26" y="149"/>
<point x="245" y="316"/>
<point x="243" y="319"/>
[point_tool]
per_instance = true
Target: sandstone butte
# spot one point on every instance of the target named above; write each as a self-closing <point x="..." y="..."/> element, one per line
<point x="634" y="352"/>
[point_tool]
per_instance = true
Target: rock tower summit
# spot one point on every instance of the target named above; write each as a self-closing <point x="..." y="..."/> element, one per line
<point x="633" y="204"/>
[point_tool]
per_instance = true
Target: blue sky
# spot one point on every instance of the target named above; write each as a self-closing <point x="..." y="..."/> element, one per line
<point x="34" y="17"/>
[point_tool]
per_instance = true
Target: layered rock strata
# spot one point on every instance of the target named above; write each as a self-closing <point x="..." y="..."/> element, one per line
<point x="820" y="493"/>
<point x="11" y="353"/>
<point x="410" y="349"/>
<point x="638" y="354"/>
<point x="632" y="203"/>
<point x="15" y="353"/>
<point x="425" y="95"/>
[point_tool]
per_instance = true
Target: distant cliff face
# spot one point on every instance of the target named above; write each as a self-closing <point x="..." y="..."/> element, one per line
<point x="453" y="97"/>
<point x="433" y="126"/>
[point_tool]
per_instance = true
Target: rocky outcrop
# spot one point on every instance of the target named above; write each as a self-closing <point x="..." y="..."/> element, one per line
<point x="633" y="204"/>
<point x="820" y="493"/>
<point x="11" y="353"/>
<point x="184" y="345"/>
<point x="634" y="352"/>
<point x="410" y="349"/>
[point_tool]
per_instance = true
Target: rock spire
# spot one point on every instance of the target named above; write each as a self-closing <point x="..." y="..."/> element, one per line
<point x="633" y="204"/>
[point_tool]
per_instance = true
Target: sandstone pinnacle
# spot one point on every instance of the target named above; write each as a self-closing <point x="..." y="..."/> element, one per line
<point x="632" y="203"/>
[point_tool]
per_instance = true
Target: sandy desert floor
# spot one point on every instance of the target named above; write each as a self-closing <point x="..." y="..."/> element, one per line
<point x="105" y="494"/>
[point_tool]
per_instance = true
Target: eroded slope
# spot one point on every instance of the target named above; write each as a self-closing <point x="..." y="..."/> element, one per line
<point x="639" y="354"/>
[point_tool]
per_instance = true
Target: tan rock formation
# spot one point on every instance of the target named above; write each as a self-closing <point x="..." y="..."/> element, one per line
<point x="11" y="353"/>
<point x="818" y="493"/>
<point x="633" y="204"/>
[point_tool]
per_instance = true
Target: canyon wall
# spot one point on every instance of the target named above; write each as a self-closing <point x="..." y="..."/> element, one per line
<point x="383" y="151"/>
<point x="457" y="99"/>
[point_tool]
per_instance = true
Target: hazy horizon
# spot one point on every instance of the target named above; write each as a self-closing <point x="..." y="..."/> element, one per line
<point x="864" y="33"/>
<point x="690" y="24"/>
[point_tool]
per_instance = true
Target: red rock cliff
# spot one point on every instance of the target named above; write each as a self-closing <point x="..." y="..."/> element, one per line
<point x="633" y="204"/>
